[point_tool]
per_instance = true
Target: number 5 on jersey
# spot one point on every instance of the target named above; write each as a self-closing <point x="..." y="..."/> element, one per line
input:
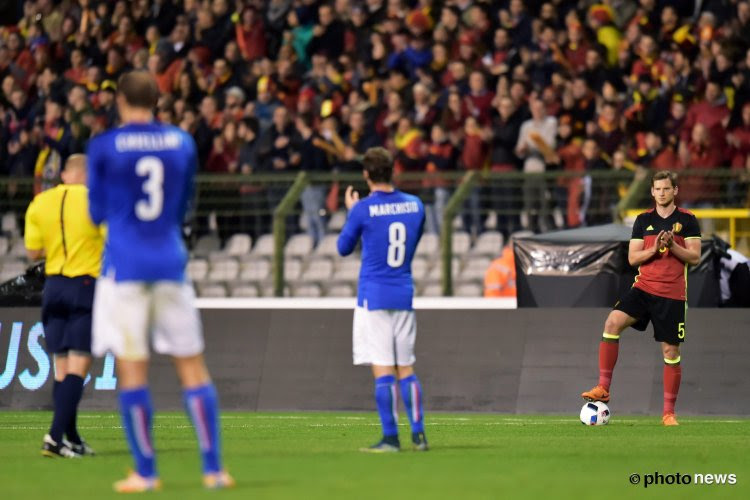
<point x="396" y="244"/>
<point x="152" y="168"/>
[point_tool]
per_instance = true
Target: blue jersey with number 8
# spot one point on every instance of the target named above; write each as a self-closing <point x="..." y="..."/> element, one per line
<point x="390" y="225"/>
<point x="140" y="179"/>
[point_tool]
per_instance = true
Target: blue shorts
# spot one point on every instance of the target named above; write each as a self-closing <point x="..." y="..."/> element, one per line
<point x="66" y="313"/>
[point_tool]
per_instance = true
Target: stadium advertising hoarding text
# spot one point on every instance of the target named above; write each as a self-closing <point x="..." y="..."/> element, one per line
<point x="530" y="361"/>
<point x="27" y="371"/>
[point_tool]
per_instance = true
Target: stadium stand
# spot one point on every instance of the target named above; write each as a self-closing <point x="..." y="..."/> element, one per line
<point x="270" y="89"/>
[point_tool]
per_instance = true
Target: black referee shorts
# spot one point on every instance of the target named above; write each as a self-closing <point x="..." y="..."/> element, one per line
<point x="66" y="313"/>
<point x="667" y="315"/>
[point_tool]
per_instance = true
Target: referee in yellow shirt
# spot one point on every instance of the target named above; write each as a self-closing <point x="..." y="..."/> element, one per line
<point x="58" y="227"/>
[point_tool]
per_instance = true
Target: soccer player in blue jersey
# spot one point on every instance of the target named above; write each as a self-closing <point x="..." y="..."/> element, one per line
<point x="140" y="184"/>
<point x="390" y="225"/>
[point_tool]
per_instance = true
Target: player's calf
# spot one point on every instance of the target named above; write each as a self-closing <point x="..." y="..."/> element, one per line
<point x="411" y="393"/>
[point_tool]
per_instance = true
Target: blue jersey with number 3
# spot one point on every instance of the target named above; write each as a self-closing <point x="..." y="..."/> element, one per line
<point x="390" y="225"/>
<point x="140" y="179"/>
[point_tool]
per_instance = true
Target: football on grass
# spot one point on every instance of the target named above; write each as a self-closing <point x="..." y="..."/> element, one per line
<point x="596" y="413"/>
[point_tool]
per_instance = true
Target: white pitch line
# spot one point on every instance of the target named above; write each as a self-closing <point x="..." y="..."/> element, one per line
<point x="432" y="418"/>
<point x="349" y="425"/>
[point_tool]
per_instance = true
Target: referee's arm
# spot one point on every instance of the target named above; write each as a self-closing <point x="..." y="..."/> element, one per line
<point x="32" y="238"/>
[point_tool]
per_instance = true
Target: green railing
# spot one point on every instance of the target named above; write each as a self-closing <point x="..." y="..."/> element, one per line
<point x="446" y="236"/>
<point x="269" y="203"/>
<point x="279" y="230"/>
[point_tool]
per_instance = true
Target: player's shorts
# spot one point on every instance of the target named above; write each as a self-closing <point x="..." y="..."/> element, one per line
<point x="384" y="337"/>
<point x="667" y="315"/>
<point x="129" y="314"/>
<point x="66" y="313"/>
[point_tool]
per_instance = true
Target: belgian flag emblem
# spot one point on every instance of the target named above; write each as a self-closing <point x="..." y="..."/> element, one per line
<point x="676" y="227"/>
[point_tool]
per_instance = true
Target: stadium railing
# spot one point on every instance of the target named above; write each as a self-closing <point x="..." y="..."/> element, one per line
<point x="474" y="203"/>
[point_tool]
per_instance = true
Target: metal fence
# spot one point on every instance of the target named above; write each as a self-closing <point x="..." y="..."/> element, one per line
<point x="274" y="209"/>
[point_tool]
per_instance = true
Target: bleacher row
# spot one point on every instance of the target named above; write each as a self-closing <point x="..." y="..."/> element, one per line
<point x="242" y="269"/>
<point x="12" y="250"/>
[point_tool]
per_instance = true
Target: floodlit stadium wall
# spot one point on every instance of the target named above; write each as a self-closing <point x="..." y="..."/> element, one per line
<point x="472" y="355"/>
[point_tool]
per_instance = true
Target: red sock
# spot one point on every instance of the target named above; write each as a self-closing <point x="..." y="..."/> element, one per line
<point x="672" y="377"/>
<point x="607" y="359"/>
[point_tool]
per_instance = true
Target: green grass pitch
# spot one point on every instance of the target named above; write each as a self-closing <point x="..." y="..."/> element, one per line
<point x="315" y="455"/>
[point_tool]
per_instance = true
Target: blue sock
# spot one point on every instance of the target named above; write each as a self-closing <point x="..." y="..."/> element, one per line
<point x="137" y="415"/>
<point x="202" y="405"/>
<point x="66" y="394"/>
<point x="411" y="392"/>
<point x="385" y="397"/>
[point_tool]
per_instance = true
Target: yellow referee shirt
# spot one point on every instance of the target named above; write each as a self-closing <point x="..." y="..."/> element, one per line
<point x="58" y="221"/>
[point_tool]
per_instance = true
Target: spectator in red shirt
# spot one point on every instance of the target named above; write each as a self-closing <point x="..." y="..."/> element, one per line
<point x="658" y="155"/>
<point x="387" y="120"/>
<point x="250" y="34"/>
<point x="608" y="133"/>
<point x="479" y="99"/>
<point x="712" y="112"/>
<point x="703" y="155"/>
<point x="409" y="147"/>
<point x="473" y="157"/>
<point x="77" y="71"/>
<point x="502" y="55"/>
<point x="423" y="113"/>
<point x="454" y="116"/>
<point x="570" y="190"/>
<point x="575" y="50"/>
<point x="739" y="140"/>
<point x="125" y="37"/>
<point x="441" y="157"/>
<point x="225" y="150"/>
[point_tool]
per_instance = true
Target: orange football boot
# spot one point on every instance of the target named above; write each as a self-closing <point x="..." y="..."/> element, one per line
<point x="218" y="480"/>
<point x="598" y="393"/>
<point x="135" y="483"/>
<point x="669" y="420"/>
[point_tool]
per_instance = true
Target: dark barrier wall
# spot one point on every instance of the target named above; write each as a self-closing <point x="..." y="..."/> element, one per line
<point x="515" y="361"/>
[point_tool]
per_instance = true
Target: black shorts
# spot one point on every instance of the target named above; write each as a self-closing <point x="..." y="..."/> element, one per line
<point x="667" y="315"/>
<point x="66" y="313"/>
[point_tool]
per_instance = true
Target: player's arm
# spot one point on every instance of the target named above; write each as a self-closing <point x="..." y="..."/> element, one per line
<point x="637" y="251"/>
<point x="638" y="255"/>
<point x="690" y="253"/>
<point x="352" y="229"/>
<point x="35" y="254"/>
<point x="96" y="182"/>
<point x="187" y="204"/>
<point x="32" y="236"/>
<point x="420" y="232"/>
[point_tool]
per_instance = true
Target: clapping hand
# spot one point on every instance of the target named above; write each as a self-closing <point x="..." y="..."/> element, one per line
<point x="351" y="197"/>
<point x="664" y="240"/>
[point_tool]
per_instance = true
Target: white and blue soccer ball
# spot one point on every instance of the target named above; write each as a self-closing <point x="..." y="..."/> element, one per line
<point x="596" y="413"/>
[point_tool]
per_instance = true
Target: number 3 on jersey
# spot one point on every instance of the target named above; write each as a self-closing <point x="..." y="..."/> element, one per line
<point x="396" y="244"/>
<point x="152" y="168"/>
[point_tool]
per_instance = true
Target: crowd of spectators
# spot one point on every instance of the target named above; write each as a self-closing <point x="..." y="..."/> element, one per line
<point x="507" y="85"/>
